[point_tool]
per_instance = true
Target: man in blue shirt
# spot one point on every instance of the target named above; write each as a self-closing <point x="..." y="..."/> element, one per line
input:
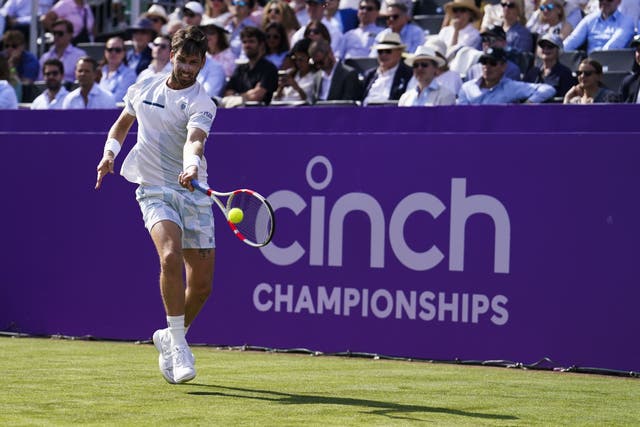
<point x="494" y="88"/>
<point x="603" y="30"/>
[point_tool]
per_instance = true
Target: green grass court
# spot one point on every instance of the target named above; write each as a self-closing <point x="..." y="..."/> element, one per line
<point x="63" y="382"/>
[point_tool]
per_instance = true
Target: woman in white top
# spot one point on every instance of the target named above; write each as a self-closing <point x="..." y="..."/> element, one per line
<point x="550" y="18"/>
<point x="461" y="31"/>
<point x="297" y="84"/>
<point x="218" y="46"/>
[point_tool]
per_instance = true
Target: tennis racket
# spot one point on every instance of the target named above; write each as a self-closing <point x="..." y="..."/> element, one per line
<point x="257" y="220"/>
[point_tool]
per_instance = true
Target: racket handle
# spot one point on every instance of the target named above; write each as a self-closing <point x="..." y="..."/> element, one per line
<point x="196" y="184"/>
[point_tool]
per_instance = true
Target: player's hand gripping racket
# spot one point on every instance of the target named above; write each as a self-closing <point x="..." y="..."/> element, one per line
<point x="249" y="214"/>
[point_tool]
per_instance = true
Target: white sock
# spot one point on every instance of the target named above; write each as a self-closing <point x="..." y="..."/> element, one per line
<point x="176" y="329"/>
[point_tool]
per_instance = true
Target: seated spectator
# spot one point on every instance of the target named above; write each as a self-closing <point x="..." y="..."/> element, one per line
<point x="24" y="62"/>
<point x="16" y="15"/>
<point x="116" y="77"/>
<point x="88" y="94"/>
<point x="63" y="50"/>
<point x="335" y="80"/>
<point x="141" y="33"/>
<point x="495" y="37"/>
<point x="550" y="18"/>
<point x="460" y="31"/>
<point x="357" y="43"/>
<point x="519" y="39"/>
<point x="211" y="77"/>
<point x="160" y="63"/>
<point x="551" y="71"/>
<point x="157" y="15"/>
<point x="342" y="20"/>
<point x="218" y="46"/>
<point x="279" y="11"/>
<point x="8" y="98"/>
<point x="192" y="13"/>
<point x="398" y="21"/>
<point x="590" y="89"/>
<point x="240" y="19"/>
<point x="55" y="92"/>
<point x="277" y="43"/>
<point x="315" y="10"/>
<point x="78" y="13"/>
<point x="631" y="84"/>
<point x="445" y="77"/>
<point x="256" y="80"/>
<point x="425" y="63"/>
<point x="216" y="11"/>
<point x="297" y="84"/>
<point x="495" y="88"/>
<point x="389" y="80"/>
<point x="604" y="29"/>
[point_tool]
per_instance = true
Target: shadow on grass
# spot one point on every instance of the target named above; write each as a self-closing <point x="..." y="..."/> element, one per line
<point x="388" y="409"/>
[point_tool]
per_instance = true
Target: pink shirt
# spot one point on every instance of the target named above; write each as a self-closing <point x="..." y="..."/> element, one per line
<point x="69" y="10"/>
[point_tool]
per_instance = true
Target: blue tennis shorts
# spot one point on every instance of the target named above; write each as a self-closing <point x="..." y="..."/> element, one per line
<point x="191" y="211"/>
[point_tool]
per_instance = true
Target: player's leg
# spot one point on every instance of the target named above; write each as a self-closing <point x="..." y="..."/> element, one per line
<point x="199" y="266"/>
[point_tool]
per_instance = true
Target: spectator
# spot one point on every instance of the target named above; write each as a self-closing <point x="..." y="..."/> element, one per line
<point x="297" y="84"/>
<point x="173" y="26"/>
<point x="279" y="11"/>
<point x="631" y="84"/>
<point x="116" y="76"/>
<point x="359" y="41"/>
<point x="335" y="80"/>
<point x="590" y="89"/>
<point x="88" y="94"/>
<point x="16" y="15"/>
<point x="300" y="9"/>
<point x="605" y="29"/>
<point x="551" y="71"/>
<point x="240" y="19"/>
<point x="78" y="13"/>
<point x="495" y="37"/>
<point x="256" y="80"/>
<point x="460" y="31"/>
<point x="389" y="80"/>
<point x="495" y="88"/>
<point x="550" y="18"/>
<point x="158" y="17"/>
<point x="519" y="39"/>
<point x="192" y="13"/>
<point x="141" y="34"/>
<point x="316" y="30"/>
<point x="63" y="50"/>
<point x="216" y="11"/>
<point x="8" y="98"/>
<point x="426" y="63"/>
<point x="55" y="92"/>
<point x="211" y="77"/>
<point x="315" y="10"/>
<point x="445" y="77"/>
<point x="398" y="21"/>
<point x="218" y="45"/>
<point x="24" y="62"/>
<point x="277" y="43"/>
<point x="342" y="20"/>
<point x="160" y="64"/>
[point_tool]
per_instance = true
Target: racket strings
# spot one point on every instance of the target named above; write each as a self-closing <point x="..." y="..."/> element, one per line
<point x="257" y="222"/>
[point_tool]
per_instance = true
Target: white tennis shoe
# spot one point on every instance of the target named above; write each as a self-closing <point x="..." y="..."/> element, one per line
<point x="162" y="341"/>
<point x="183" y="361"/>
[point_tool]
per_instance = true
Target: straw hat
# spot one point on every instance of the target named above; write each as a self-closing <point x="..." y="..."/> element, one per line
<point x="424" y="52"/>
<point x="466" y="4"/>
<point x="157" y="10"/>
<point x="390" y="40"/>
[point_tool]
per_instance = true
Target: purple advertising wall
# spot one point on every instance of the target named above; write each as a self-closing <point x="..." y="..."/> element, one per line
<point x="475" y="233"/>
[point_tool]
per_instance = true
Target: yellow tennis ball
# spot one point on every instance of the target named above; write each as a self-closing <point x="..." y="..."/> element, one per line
<point x="236" y="215"/>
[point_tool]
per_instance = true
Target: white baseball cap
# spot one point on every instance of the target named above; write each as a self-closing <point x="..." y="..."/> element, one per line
<point x="194" y="7"/>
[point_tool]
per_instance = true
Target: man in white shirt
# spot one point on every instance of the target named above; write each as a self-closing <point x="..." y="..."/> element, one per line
<point x="389" y="80"/>
<point x="174" y="116"/>
<point x="160" y="64"/>
<point x="357" y="43"/>
<point x="398" y="21"/>
<point x="54" y="94"/>
<point x="425" y="63"/>
<point x="88" y="95"/>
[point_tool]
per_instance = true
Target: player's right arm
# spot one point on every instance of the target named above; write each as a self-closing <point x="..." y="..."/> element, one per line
<point x="118" y="133"/>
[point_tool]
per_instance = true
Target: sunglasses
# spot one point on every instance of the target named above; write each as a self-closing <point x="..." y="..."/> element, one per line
<point x="314" y="31"/>
<point x="508" y="5"/>
<point x="545" y="45"/>
<point x="367" y="8"/>
<point x="12" y="46"/>
<point x="384" y="51"/>
<point x="584" y="73"/>
<point x="52" y="73"/>
<point x="188" y="13"/>
<point x="114" y="49"/>
<point x="274" y="10"/>
<point x="547" y="7"/>
<point x="393" y="17"/>
<point x="273" y="36"/>
<point x="159" y="45"/>
<point x="58" y="33"/>
<point x="606" y="1"/>
<point x="155" y="19"/>
<point x="458" y="9"/>
<point x="421" y="65"/>
<point x="488" y="61"/>
<point x="489" y="39"/>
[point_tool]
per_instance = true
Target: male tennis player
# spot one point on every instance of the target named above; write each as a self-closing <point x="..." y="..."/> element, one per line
<point x="174" y="117"/>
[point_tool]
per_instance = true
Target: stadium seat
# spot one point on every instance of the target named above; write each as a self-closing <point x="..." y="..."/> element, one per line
<point x="572" y="58"/>
<point x="94" y="50"/>
<point x="615" y="60"/>
<point x="430" y="23"/>
<point x="613" y="79"/>
<point x="362" y="64"/>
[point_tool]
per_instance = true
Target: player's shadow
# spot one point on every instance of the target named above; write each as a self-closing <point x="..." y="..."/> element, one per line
<point x="388" y="409"/>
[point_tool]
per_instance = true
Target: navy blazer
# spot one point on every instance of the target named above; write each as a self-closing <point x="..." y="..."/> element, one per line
<point x="629" y="88"/>
<point x="400" y="80"/>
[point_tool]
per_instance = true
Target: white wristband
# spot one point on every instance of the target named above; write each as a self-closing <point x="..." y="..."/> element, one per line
<point x="112" y="145"/>
<point x="191" y="160"/>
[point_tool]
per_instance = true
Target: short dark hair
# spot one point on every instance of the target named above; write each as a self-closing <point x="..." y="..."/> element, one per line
<point x="68" y="25"/>
<point x="376" y="3"/>
<point x="13" y="37"/>
<point x="89" y="60"/>
<point x="190" y="40"/>
<point x="54" y="62"/>
<point x="320" y="46"/>
<point x="255" y="32"/>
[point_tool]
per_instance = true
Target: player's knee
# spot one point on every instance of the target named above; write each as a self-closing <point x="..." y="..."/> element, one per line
<point x="200" y="289"/>
<point x="171" y="262"/>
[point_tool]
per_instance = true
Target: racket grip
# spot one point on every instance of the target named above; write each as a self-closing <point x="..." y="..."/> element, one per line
<point x="196" y="184"/>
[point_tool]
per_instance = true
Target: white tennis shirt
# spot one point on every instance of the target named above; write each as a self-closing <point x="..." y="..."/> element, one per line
<point x="164" y="115"/>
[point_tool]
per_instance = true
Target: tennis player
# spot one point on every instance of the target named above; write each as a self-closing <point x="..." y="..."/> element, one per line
<point x="174" y="118"/>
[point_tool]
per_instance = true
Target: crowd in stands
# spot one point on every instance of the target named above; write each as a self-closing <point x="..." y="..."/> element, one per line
<point x="343" y="52"/>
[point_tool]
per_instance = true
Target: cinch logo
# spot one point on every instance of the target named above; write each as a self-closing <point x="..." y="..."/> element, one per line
<point x="462" y="208"/>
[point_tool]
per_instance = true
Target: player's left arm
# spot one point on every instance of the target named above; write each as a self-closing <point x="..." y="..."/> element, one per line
<point x="192" y="155"/>
<point x="115" y="139"/>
